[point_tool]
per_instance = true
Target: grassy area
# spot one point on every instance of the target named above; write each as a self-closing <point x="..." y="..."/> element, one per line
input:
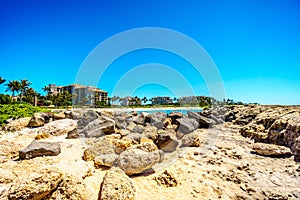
<point x="8" y="111"/>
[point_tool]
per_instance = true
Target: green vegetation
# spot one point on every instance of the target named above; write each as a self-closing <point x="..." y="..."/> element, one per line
<point x="8" y="111"/>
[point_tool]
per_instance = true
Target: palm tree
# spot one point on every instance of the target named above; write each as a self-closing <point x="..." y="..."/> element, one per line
<point x="29" y="95"/>
<point x="13" y="86"/>
<point x="47" y="89"/>
<point x="2" y="80"/>
<point x="24" y="85"/>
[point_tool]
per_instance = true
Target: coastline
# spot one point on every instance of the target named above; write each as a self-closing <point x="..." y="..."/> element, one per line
<point x="149" y="109"/>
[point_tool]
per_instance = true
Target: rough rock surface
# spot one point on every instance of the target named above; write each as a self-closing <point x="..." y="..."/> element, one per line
<point x="36" y="186"/>
<point x="167" y="141"/>
<point x="40" y="148"/>
<point x="139" y="158"/>
<point x="271" y="150"/>
<point x="192" y="140"/>
<point x="39" y="119"/>
<point x="116" y="185"/>
<point x="18" y="124"/>
<point x="59" y="127"/>
<point x="187" y="125"/>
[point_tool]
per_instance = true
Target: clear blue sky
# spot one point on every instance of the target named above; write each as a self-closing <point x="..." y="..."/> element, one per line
<point x="255" y="44"/>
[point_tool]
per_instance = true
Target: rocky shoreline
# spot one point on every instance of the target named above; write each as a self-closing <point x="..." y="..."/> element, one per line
<point x="238" y="152"/>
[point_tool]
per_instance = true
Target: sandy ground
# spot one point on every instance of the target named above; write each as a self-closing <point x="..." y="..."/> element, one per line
<point x="223" y="168"/>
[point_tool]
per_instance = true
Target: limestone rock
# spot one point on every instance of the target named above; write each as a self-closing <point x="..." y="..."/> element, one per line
<point x="192" y="140"/>
<point x="271" y="150"/>
<point x="121" y="122"/>
<point x="138" y="158"/>
<point x="166" y="179"/>
<point x="116" y="185"/>
<point x="39" y="119"/>
<point x="59" y="127"/>
<point x="37" y="186"/>
<point x="17" y="124"/>
<point x="40" y="148"/>
<point x="107" y="160"/>
<point x="204" y="122"/>
<point x="58" y="116"/>
<point x="150" y="132"/>
<point x="71" y="188"/>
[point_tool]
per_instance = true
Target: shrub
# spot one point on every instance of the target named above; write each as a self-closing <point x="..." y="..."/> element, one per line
<point x="8" y="111"/>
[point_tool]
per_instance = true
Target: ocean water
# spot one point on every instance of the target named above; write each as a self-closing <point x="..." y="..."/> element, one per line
<point x="168" y="111"/>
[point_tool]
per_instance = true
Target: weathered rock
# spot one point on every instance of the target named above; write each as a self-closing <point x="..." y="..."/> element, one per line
<point x="94" y="129"/>
<point x="254" y="131"/>
<point x="150" y="132"/>
<point x="39" y="119"/>
<point x="187" y="125"/>
<point x="100" y="146"/>
<point x="296" y="149"/>
<point x="18" y="124"/>
<point x="84" y="117"/>
<point x="131" y="126"/>
<point x="167" y="122"/>
<point x="40" y="148"/>
<point x="59" y="127"/>
<point x="116" y="185"/>
<point x="124" y="132"/>
<point x="139" y="119"/>
<point x="107" y="160"/>
<point x="139" y="158"/>
<point x="271" y="150"/>
<point x="285" y="130"/>
<point x="204" y="122"/>
<point x="135" y="137"/>
<point x="120" y="122"/>
<point x="88" y="155"/>
<point x="71" y="188"/>
<point x="157" y="119"/>
<point x="37" y="186"/>
<point x="166" y="179"/>
<point x="167" y="141"/>
<point x="58" y="116"/>
<point x="192" y="140"/>
<point x="138" y="129"/>
<point x="174" y="116"/>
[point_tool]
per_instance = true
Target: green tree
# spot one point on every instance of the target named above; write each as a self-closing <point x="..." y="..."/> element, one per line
<point x="13" y="87"/>
<point x="24" y="85"/>
<point x="2" y="80"/>
<point x="29" y="95"/>
<point x="47" y="89"/>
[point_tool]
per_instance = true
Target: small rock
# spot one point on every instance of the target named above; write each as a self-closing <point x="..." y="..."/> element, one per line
<point x="271" y="150"/>
<point x="107" y="160"/>
<point x="39" y="148"/>
<point x="39" y="119"/>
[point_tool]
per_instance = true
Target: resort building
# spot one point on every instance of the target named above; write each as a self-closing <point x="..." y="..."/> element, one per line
<point x="82" y="95"/>
<point x="162" y="100"/>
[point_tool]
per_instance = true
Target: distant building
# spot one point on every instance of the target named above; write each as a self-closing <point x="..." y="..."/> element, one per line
<point x="162" y="100"/>
<point x="82" y="95"/>
<point x="125" y="101"/>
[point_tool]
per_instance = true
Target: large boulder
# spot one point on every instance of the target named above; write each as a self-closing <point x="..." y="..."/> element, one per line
<point x="39" y="119"/>
<point x="271" y="150"/>
<point x="84" y="117"/>
<point x="187" y="125"/>
<point x="116" y="185"/>
<point x="59" y="127"/>
<point x="40" y="148"/>
<point x="139" y="119"/>
<point x="174" y="116"/>
<point x="139" y="158"/>
<point x="17" y="124"/>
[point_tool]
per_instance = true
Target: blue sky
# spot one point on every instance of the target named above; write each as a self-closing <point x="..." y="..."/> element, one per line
<point x="254" y="44"/>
